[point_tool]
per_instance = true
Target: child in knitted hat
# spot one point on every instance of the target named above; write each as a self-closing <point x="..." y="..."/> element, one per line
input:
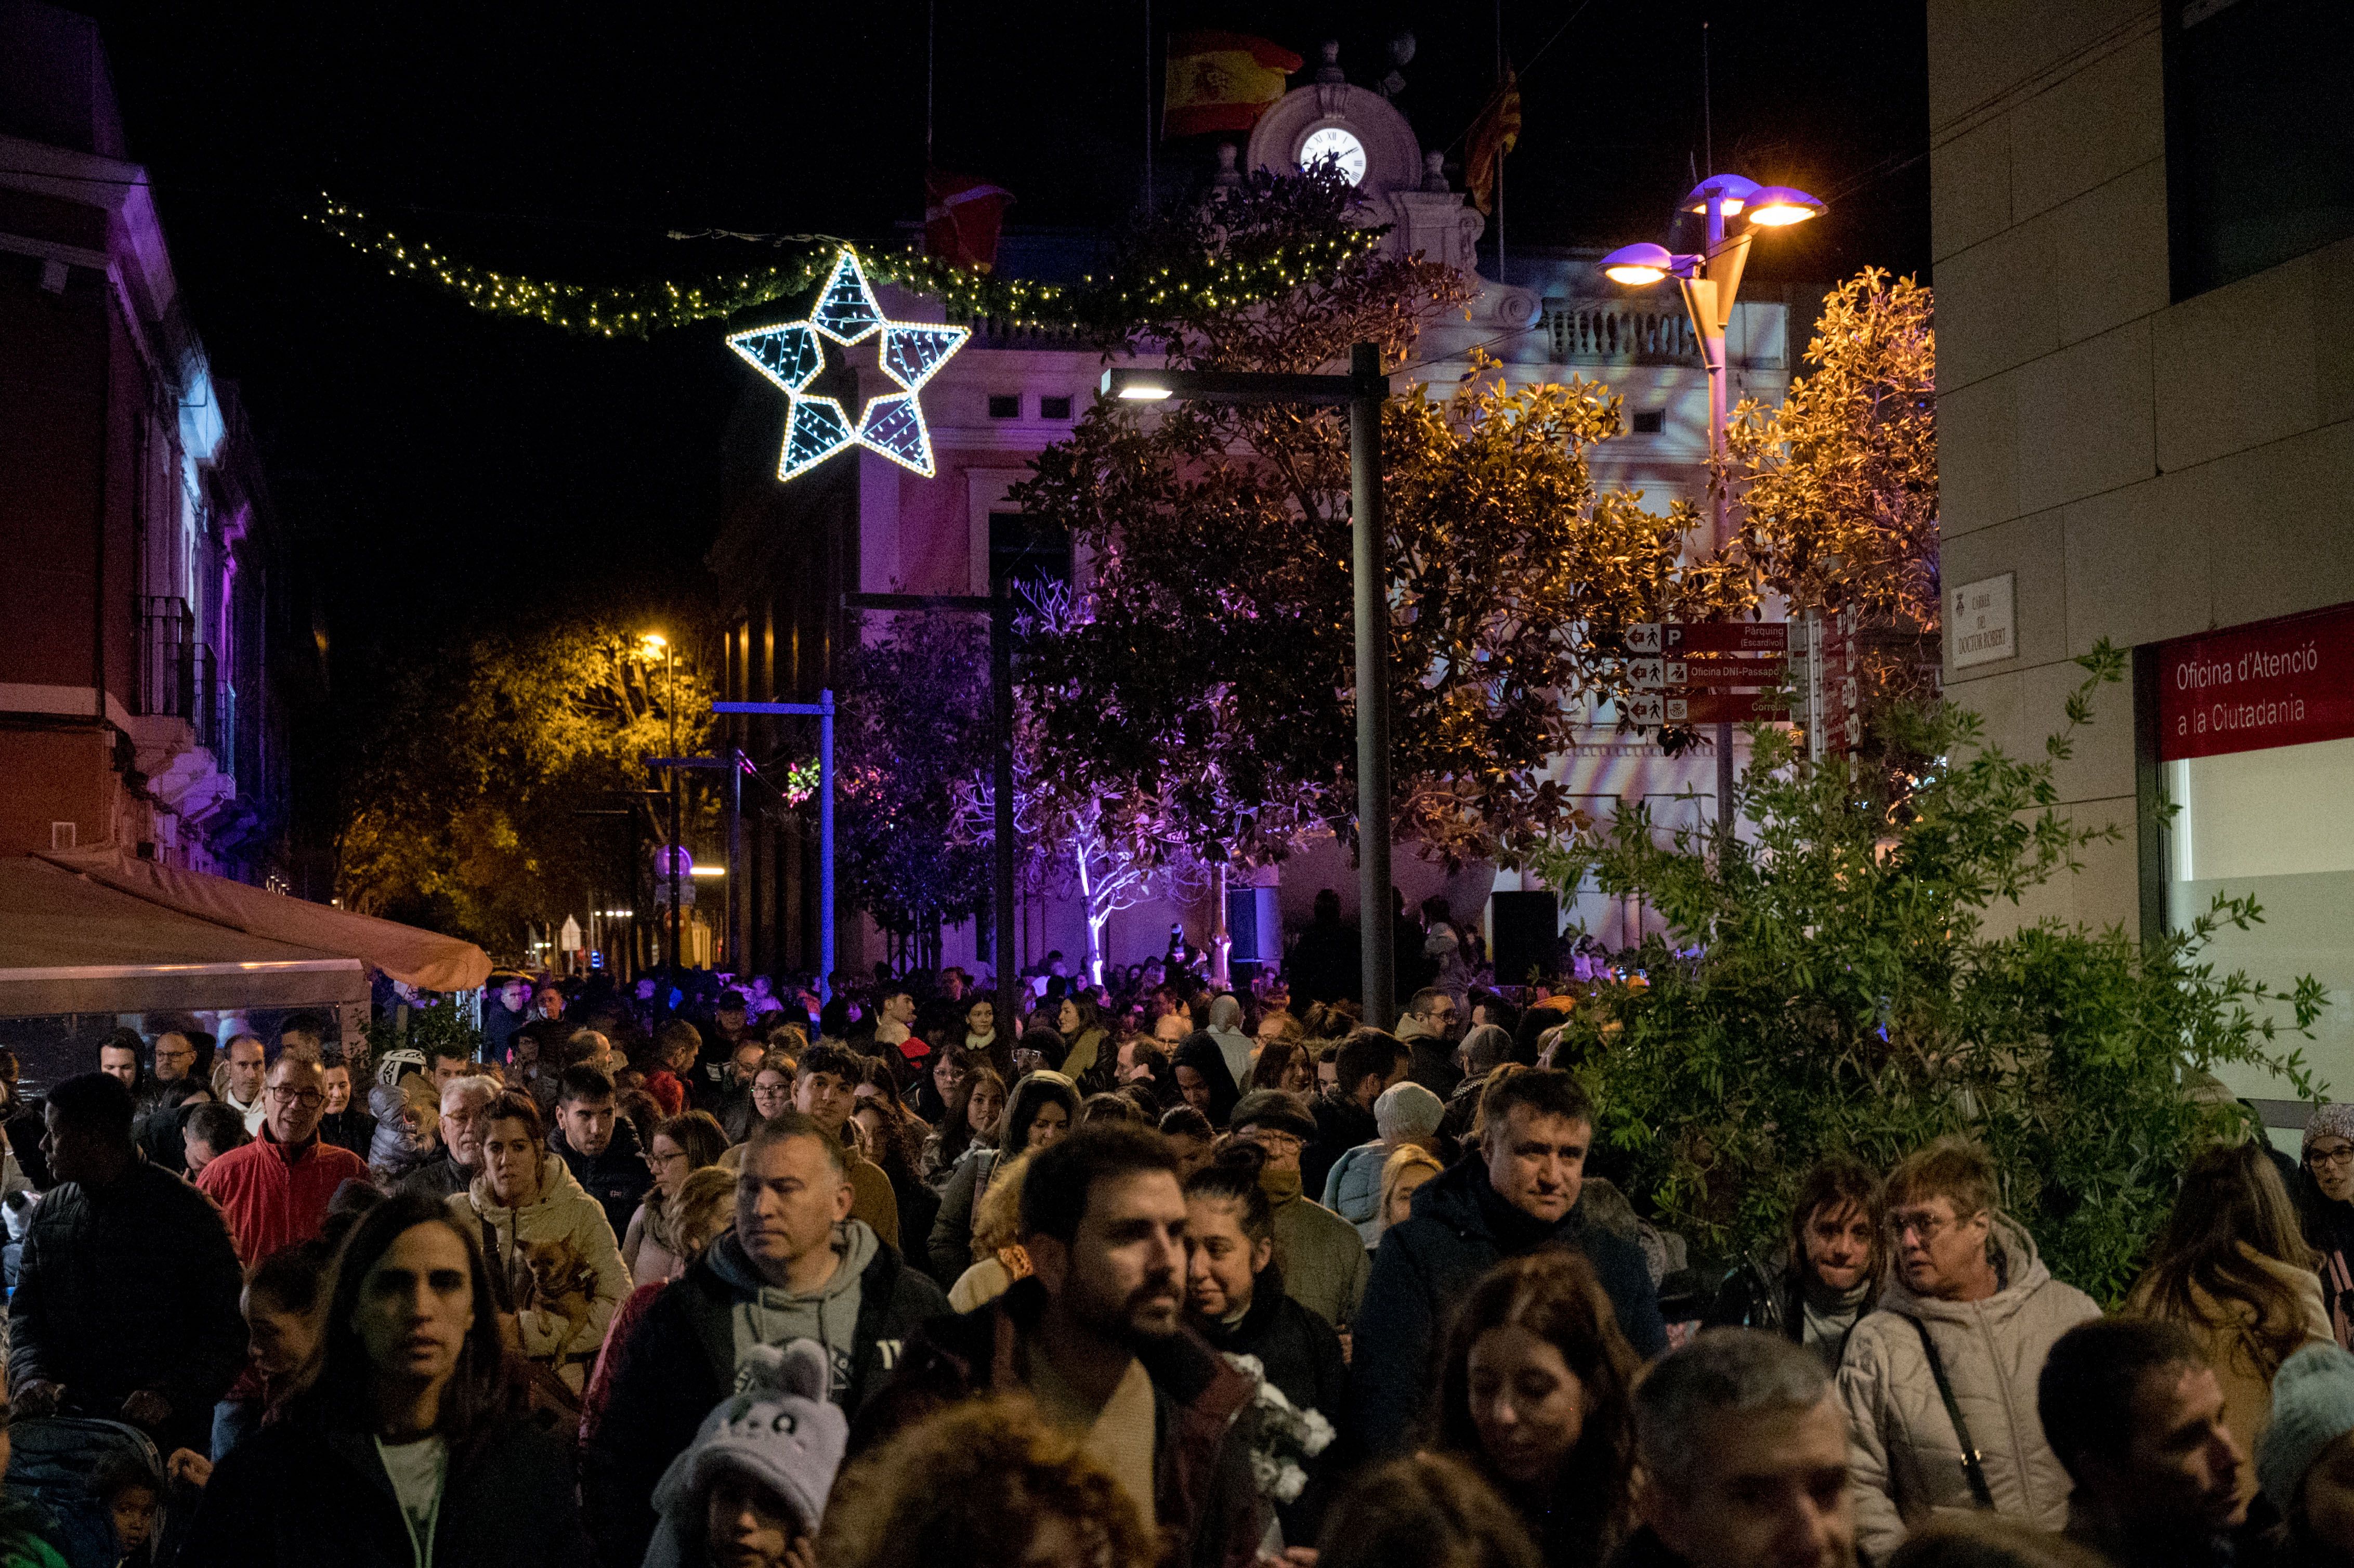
<point x="749" y="1492"/>
<point x="2305" y="1463"/>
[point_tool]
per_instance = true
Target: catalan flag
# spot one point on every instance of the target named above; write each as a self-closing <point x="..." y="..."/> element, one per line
<point x="1496" y="133"/>
<point x="1221" y="81"/>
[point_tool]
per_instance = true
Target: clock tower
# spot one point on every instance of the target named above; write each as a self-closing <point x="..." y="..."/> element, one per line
<point x="1377" y="153"/>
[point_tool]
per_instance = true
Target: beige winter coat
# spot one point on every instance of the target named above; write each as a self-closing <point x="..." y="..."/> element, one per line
<point x="1906" y="1461"/>
<point x="562" y="1266"/>
<point x="2240" y="1366"/>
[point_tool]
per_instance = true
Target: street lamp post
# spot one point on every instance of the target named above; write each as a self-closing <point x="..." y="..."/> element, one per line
<point x="1708" y="281"/>
<point x="656" y="640"/>
<point x="1363" y="390"/>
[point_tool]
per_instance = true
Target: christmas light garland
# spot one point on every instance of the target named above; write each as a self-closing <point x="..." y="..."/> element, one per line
<point x="1217" y="282"/>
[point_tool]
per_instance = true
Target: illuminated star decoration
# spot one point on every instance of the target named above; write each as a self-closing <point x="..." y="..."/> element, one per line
<point x="791" y="355"/>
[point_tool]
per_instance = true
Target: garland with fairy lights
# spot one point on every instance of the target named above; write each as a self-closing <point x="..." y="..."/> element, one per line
<point x="1216" y="282"/>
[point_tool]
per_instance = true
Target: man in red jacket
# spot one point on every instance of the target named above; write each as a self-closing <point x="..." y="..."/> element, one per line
<point x="275" y="1190"/>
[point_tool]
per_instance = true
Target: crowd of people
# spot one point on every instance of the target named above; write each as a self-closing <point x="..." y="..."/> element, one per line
<point x="1156" y="1273"/>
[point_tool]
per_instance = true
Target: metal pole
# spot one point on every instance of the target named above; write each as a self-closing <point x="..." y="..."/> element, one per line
<point x="735" y="859"/>
<point x="1712" y="330"/>
<point x="826" y="844"/>
<point x="669" y="689"/>
<point x="1370" y="572"/>
<point x="1001" y="679"/>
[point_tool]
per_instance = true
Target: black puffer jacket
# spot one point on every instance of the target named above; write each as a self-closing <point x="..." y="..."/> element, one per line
<point x="617" y="1179"/>
<point x="1302" y="1356"/>
<point x="1460" y="1229"/>
<point x="680" y="1360"/>
<point x="298" y="1494"/>
<point x="128" y="1286"/>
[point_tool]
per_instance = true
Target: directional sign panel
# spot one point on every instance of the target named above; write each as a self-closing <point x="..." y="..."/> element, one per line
<point x="1643" y="636"/>
<point x="1726" y="637"/>
<point x="1725" y="672"/>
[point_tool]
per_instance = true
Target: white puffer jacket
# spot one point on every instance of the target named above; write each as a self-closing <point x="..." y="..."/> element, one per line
<point x="1907" y="1461"/>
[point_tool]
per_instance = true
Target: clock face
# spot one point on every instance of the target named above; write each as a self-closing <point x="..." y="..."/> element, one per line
<point x="1338" y="145"/>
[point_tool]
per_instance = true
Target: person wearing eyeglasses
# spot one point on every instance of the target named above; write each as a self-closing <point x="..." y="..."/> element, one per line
<point x="2325" y="1202"/>
<point x="1324" y="1261"/>
<point x="275" y="1190"/>
<point x="1940" y="1382"/>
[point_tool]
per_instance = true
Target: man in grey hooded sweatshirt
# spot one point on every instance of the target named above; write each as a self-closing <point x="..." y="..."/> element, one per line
<point x="796" y="1267"/>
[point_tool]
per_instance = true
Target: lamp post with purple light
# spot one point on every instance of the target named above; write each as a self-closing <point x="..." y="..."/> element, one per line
<point x="1708" y="281"/>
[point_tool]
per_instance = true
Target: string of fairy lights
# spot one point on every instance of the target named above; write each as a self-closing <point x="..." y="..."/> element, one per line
<point x="1216" y="282"/>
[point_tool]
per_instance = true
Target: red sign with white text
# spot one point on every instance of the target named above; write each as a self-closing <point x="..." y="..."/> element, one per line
<point x="2277" y="682"/>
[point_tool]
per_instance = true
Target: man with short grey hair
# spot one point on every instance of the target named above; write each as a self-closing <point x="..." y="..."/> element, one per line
<point x="1743" y="1445"/>
<point x="463" y="1101"/>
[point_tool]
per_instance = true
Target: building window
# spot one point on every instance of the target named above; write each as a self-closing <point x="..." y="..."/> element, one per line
<point x="2259" y="137"/>
<point x="1005" y="405"/>
<point x="2254" y="752"/>
<point x="1053" y="408"/>
<point x="1650" y="422"/>
<point x="1027" y="552"/>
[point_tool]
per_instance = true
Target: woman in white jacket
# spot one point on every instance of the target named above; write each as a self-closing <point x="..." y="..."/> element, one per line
<point x="546" y="1239"/>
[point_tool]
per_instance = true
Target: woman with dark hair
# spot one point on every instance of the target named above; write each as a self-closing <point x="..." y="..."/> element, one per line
<point x="937" y="1084"/>
<point x="981" y="1033"/>
<point x="1426" y="1509"/>
<point x="407" y="1442"/>
<point x="1203" y="1080"/>
<point x="969" y="1123"/>
<point x="1283" y="1064"/>
<point x="1235" y="1297"/>
<point x="2232" y="1268"/>
<point x="680" y="1146"/>
<point x="1821" y="1282"/>
<point x="1081" y="1025"/>
<point x="1045" y="1106"/>
<point x="1535" y="1392"/>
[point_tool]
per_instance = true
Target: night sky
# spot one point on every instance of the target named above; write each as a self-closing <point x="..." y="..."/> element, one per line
<point x="442" y="465"/>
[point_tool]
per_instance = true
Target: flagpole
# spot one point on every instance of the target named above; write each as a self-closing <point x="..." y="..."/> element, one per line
<point x="1147" y="107"/>
<point x="1501" y="275"/>
<point x="931" y="48"/>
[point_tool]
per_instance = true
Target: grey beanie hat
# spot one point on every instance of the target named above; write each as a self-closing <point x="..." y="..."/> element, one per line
<point x="2333" y="1121"/>
<point x="2312" y="1406"/>
<point x="1407" y="1110"/>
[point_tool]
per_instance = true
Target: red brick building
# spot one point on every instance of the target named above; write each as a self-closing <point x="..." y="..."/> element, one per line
<point x="150" y="639"/>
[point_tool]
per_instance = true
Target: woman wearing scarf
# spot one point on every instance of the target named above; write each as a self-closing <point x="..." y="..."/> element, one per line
<point x="2325" y="1201"/>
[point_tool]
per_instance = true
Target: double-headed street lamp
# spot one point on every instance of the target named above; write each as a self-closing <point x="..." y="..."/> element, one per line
<point x="1363" y="390"/>
<point x="1708" y="281"/>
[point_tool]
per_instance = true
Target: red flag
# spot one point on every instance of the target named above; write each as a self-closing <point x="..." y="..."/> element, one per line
<point x="962" y="216"/>
<point x="1496" y="133"/>
<point x="1221" y="81"/>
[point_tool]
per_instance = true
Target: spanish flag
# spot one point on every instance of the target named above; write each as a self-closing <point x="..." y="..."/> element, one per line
<point x="1496" y="133"/>
<point x="1221" y="81"/>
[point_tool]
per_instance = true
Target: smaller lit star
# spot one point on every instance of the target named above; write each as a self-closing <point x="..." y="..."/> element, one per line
<point x="792" y="355"/>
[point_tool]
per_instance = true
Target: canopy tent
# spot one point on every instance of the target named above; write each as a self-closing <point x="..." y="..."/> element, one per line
<point x="71" y="944"/>
<point x="93" y="931"/>
<point x="426" y="960"/>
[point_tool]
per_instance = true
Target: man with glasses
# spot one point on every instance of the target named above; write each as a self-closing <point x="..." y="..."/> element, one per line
<point x="1325" y="1263"/>
<point x="176" y="1057"/>
<point x="1429" y="1028"/>
<point x="275" y="1190"/>
<point x="451" y="1172"/>
<point x="1940" y="1384"/>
